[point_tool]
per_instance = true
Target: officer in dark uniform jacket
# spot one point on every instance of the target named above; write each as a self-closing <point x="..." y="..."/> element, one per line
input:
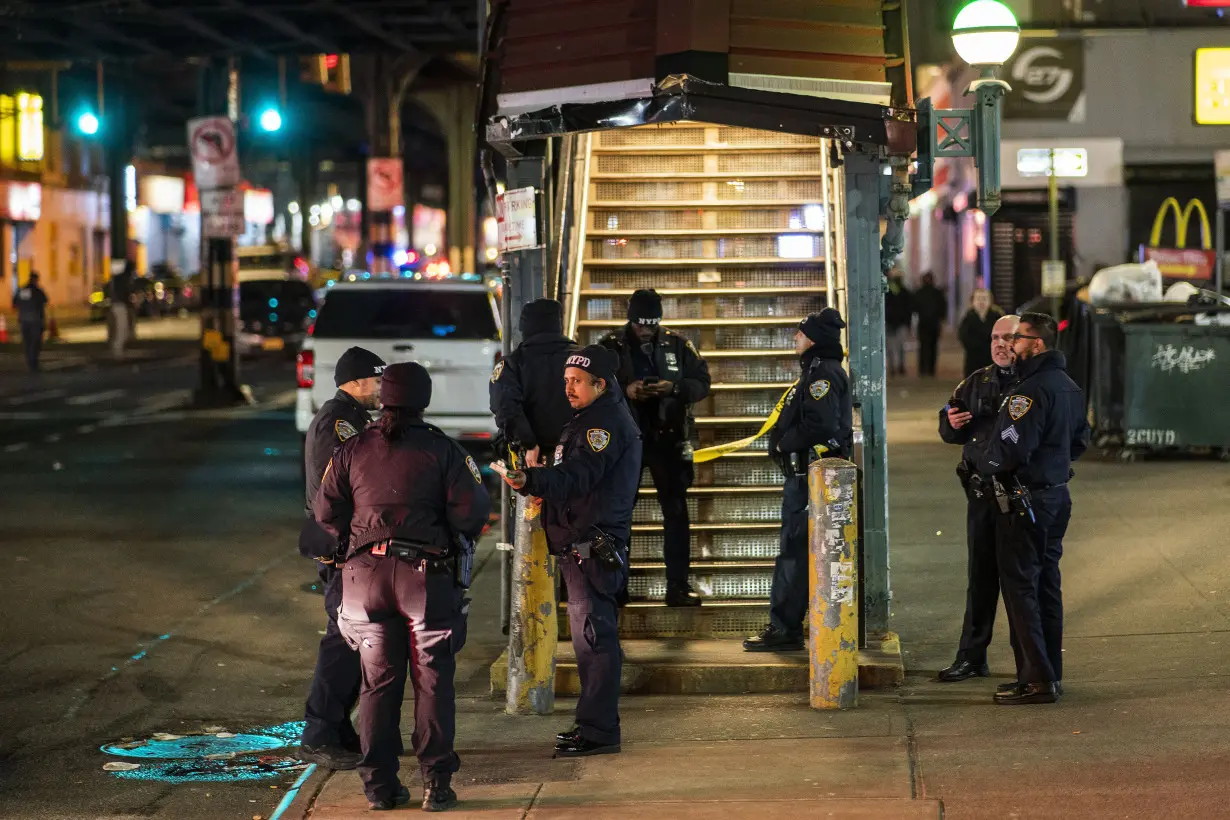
<point x="1042" y="428"/>
<point x="329" y="739"/>
<point x="587" y="498"/>
<point x="968" y="419"/>
<point x="399" y="495"/>
<point x="31" y="304"/>
<point x="527" y="389"/>
<point x="816" y="421"/>
<point x="663" y="376"/>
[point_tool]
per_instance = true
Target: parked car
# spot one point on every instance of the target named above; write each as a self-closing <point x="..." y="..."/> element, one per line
<point x="450" y="327"/>
<point x="274" y="315"/>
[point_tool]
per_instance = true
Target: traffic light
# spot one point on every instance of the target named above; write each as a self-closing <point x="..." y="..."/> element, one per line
<point x="329" y="71"/>
<point x="270" y="119"/>
<point x="88" y="123"/>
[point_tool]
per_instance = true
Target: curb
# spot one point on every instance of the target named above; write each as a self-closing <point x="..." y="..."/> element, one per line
<point x="298" y="801"/>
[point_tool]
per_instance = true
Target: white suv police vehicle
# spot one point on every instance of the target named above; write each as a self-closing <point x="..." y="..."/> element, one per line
<point x="450" y="327"/>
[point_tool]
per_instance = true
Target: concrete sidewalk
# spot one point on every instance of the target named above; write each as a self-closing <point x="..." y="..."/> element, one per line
<point x="1140" y="732"/>
<point x="85" y="345"/>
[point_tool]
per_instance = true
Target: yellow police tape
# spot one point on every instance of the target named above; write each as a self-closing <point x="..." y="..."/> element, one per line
<point x="719" y="450"/>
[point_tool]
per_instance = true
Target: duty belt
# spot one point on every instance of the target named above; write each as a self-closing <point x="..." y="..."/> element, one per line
<point x="436" y="559"/>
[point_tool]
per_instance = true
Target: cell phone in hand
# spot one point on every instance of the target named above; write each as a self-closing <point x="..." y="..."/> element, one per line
<point x="958" y="405"/>
<point x="500" y="467"/>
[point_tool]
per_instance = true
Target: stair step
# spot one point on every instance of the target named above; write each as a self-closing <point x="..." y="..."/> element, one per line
<point x="733" y="260"/>
<point x="716" y="619"/>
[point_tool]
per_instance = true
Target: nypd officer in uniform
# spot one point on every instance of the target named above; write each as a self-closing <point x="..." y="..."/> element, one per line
<point x="588" y="495"/>
<point x="408" y="502"/>
<point x="329" y="739"/>
<point x="663" y="376"/>
<point x="527" y="389"/>
<point x="1041" y="429"/>
<point x="817" y="420"/>
<point x="968" y="419"/>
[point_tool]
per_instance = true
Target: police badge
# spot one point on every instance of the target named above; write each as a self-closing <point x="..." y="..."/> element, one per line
<point x="819" y="389"/>
<point x="598" y="440"/>
<point x="1019" y="406"/>
<point x="495" y="374"/>
<point x="474" y="469"/>
<point x="344" y="429"/>
<point x="559" y="455"/>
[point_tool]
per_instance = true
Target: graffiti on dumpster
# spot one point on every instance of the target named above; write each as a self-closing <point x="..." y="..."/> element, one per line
<point x="1151" y="438"/>
<point x="1185" y="359"/>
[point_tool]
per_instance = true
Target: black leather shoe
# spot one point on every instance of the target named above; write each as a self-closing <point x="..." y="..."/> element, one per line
<point x="681" y="595"/>
<point x="773" y="640"/>
<point x="1025" y="694"/>
<point x="1008" y="687"/>
<point x="438" y="796"/>
<point x="330" y="757"/>
<point x="400" y="798"/>
<point x="580" y="747"/>
<point x="568" y="735"/>
<point x="964" y="670"/>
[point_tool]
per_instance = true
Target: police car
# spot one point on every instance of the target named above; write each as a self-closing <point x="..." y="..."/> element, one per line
<point x="451" y="327"/>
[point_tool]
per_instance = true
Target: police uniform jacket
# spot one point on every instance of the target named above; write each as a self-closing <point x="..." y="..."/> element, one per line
<point x="422" y="487"/>
<point x="527" y="392"/>
<point x="595" y="475"/>
<point x="338" y="419"/>
<point x="674" y="359"/>
<point x="31" y="305"/>
<point x="1041" y="428"/>
<point x="982" y="392"/>
<point x="818" y="411"/>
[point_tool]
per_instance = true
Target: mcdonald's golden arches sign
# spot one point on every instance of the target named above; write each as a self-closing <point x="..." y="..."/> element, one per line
<point x="1181" y="262"/>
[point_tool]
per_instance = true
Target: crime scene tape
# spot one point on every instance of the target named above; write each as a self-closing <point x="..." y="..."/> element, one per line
<point x="719" y="450"/>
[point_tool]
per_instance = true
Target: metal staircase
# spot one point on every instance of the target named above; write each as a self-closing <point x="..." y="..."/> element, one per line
<point x="729" y="225"/>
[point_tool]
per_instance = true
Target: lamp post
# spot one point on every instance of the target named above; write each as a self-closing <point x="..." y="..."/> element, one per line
<point x="985" y="33"/>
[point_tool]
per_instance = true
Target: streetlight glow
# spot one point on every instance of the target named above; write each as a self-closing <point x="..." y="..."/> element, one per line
<point x="271" y="119"/>
<point x="985" y="33"/>
<point x="87" y="124"/>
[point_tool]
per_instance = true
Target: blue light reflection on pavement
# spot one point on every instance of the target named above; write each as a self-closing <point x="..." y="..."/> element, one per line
<point x="255" y="755"/>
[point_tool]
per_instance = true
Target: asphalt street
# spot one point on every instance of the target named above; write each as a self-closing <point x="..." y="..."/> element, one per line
<point x="152" y="587"/>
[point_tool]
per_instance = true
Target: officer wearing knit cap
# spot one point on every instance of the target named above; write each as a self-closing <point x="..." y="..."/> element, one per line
<point x="587" y="498"/>
<point x="816" y="422"/>
<point x="329" y="739"/>
<point x="663" y="376"/>
<point x="408" y="501"/>
<point x="527" y="388"/>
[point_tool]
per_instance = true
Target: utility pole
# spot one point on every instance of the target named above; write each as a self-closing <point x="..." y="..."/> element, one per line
<point x="1053" y="208"/>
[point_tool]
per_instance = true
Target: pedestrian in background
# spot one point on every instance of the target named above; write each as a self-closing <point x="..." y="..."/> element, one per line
<point x="898" y="311"/>
<point x="587" y="498"/>
<point x="408" y="502"/>
<point x="120" y="326"/>
<point x="329" y="738"/>
<point x="32" y="317"/>
<point x="931" y="307"/>
<point x="663" y="376"/>
<point x="975" y="330"/>
<point x="968" y="419"/>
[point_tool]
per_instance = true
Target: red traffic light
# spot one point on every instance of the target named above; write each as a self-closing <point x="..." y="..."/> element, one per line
<point x="331" y="61"/>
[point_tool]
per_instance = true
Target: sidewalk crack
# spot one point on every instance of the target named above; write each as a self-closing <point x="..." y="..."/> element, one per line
<point x="533" y="800"/>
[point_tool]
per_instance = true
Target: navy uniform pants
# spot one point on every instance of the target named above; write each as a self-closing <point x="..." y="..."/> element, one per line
<point x="32" y="342"/>
<point x="788" y="596"/>
<point x="1028" y="552"/>
<point x="982" y="588"/>
<point x="672" y="477"/>
<point x="396" y="613"/>
<point x="335" y="684"/>
<point x="593" y="621"/>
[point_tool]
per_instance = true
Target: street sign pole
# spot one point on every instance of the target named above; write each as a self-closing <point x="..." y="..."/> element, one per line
<point x="1053" y="212"/>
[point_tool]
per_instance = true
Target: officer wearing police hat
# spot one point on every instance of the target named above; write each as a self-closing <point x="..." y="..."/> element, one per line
<point x="407" y="501"/>
<point x="816" y="421"/>
<point x="587" y="499"/>
<point x="329" y="739"/>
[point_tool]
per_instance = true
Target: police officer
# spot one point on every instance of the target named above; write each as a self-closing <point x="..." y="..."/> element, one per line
<point x="527" y="388"/>
<point x="817" y="420"/>
<point x="663" y="376"/>
<point x="968" y="419"/>
<point x="329" y="739"/>
<point x="588" y="495"/>
<point x="31" y="316"/>
<point x="407" y="501"/>
<point x="1041" y="429"/>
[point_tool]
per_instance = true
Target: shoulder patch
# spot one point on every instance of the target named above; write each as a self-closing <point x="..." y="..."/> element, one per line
<point x="499" y="369"/>
<point x="819" y="389"/>
<point x="474" y="469"/>
<point x="690" y="346"/>
<point x="344" y="429"/>
<point x="598" y="439"/>
<point x="1019" y="406"/>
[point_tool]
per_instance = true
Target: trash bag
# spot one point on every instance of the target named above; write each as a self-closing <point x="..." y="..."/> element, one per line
<point x="1126" y="283"/>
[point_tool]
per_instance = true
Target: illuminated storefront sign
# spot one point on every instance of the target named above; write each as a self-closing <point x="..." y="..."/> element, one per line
<point x="1213" y="86"/>
<point x="29" y="127"/>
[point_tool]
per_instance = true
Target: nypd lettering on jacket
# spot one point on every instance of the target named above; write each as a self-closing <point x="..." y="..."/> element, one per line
<point x="596" y="472"/>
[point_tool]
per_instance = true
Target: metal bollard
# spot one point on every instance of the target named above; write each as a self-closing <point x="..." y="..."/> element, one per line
<point x="533" y="629"/>
<point x="832" y="530"/>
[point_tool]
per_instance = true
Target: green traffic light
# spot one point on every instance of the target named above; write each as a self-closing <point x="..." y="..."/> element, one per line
<point x="88" y="124"/>
<point x="271" y="119"/>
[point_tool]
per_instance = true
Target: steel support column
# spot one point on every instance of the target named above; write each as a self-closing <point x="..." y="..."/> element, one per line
<point x="865" y="294"/>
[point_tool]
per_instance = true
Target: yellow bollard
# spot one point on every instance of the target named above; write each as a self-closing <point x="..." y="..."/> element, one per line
<point x="832" y="564"/>
<point x="533" y="629"/>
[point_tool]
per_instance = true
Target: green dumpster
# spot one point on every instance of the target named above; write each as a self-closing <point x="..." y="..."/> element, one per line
<point x="1176" y="387"/>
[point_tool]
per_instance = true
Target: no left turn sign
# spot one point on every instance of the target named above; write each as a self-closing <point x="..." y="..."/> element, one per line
<point x="215" y="162"/>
